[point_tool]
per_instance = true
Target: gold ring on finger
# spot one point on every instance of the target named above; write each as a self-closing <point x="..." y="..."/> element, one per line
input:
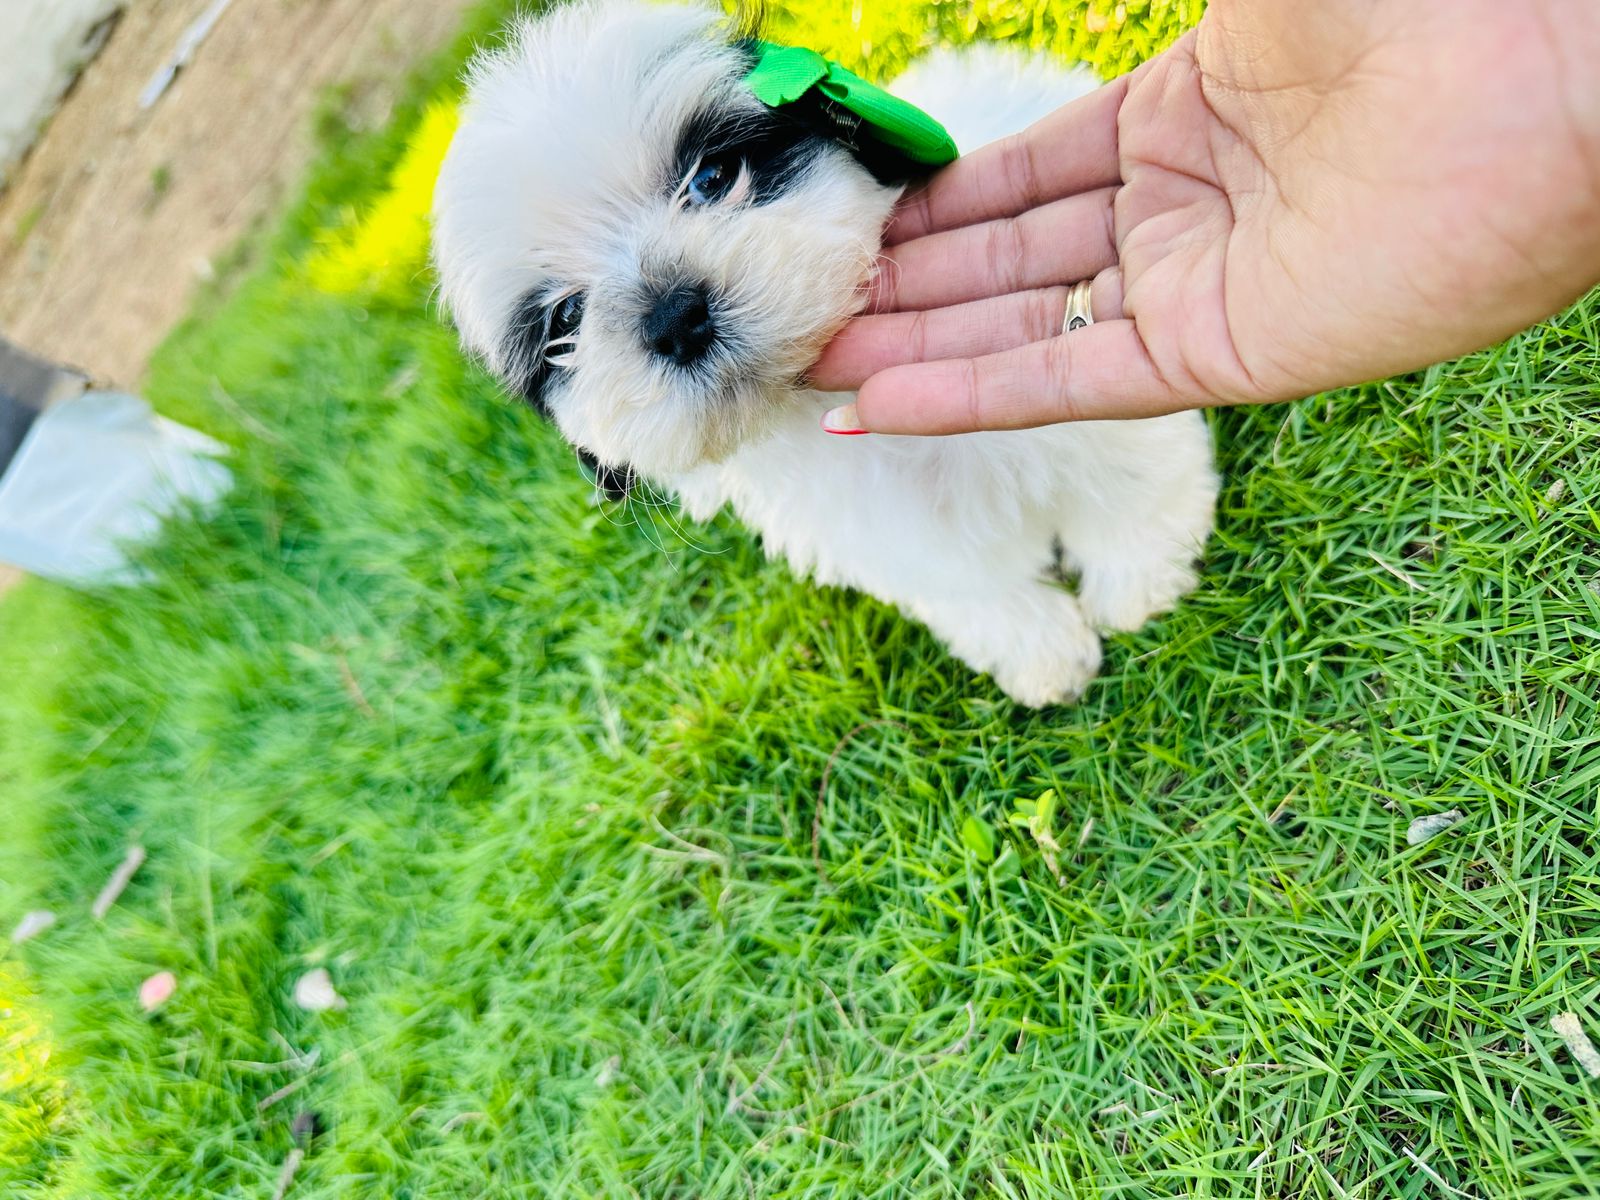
<point x="1079" y="314"/>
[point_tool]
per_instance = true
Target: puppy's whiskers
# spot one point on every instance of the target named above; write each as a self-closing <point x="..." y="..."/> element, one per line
<point x="642" y="497"/>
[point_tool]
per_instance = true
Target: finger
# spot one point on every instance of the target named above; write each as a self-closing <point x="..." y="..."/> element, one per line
<point x="1099" y="373"/>
<point x="1072" y="150"/>
<point x="1105" y="295"/>
<point x="872" y="344"/>
<point x="1060" y="242"/>
<point x="875" y="343"/>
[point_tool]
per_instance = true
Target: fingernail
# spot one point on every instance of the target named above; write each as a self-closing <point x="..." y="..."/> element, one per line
<point x="843" y="420"/>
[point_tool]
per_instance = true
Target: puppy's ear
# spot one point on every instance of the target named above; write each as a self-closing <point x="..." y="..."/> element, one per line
<point x="614" y="482"/>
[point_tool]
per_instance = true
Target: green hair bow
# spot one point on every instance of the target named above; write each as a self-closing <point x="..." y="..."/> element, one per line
<point x="790" y="74"/>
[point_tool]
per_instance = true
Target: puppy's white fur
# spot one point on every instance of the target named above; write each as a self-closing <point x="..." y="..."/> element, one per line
<point x="562" y="179"/>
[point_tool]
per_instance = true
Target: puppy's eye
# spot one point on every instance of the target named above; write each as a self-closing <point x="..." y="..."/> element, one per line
<point x="566" y="317"/>
<point x="562" y="341"/>
<point x="714" y="178"/>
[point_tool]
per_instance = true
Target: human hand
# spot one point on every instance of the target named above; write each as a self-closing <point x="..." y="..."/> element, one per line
<point x="1294" y="197"/>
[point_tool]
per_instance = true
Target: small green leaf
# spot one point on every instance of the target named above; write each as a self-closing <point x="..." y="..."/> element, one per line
<point x="1007" y="867"/>
<point x="1038" y="817"/>
<point x="978" y="836"/>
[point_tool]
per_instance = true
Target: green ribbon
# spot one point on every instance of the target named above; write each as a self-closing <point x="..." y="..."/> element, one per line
<point x="783" y="74"/>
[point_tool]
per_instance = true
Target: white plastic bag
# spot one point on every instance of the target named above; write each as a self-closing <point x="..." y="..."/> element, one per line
<point x="96" y="472"/>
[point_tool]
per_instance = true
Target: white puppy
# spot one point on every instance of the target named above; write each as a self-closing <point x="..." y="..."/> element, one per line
<point x="641" y="248"/>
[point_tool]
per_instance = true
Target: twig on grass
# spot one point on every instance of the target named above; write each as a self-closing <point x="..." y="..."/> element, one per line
<point x="286" y="1176"/>
<point x="1423" y="1166"/>
<point x="305" y="1129"/>
<point x="1248" y="1066"/>
<point x="300" y="1062"/>
<point x="1570" y="1030"/>
<point x="282" y="1093"/>
<point x="117" y="884"/>
<point x="352" y="687"/>
<point x="312" y="1071"/>
<point x="1397" y="573"/>
<point x="32" y="925"/>
<point x="687" y="849"/>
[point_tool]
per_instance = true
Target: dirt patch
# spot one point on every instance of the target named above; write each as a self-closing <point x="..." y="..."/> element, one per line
<point x="118" y="213"/>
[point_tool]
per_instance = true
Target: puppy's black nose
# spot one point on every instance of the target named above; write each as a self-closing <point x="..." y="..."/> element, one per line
<point x="680" y="327"/>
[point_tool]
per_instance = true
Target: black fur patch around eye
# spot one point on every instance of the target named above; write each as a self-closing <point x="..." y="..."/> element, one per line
<point x="527" y="335"/>
<point x="777" y="149"/>
<point x="528" y="371"/>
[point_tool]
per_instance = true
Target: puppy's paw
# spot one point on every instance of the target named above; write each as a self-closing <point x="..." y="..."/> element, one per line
<point x="1051" y="674"/>
<point x="1123" y="597"/>
<point x="1032" y="640"/>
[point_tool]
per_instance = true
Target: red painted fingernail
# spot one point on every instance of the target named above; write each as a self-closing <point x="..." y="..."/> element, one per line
<point x="843" y="420"/>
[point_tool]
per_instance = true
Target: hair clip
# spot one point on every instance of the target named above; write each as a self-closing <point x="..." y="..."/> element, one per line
<point x="786" y="74"/>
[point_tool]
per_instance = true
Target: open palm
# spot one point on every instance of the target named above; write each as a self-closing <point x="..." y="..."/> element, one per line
<point x="1293" y="197"/>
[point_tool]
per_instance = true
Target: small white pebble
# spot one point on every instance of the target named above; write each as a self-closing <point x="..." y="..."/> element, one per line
<point x="1431" y="826"/>
<point x="1557" y="490"/>
<point x="314" y="991"/>
<point x="1570" y="1031"/>
<point x="32" y="925"/>
<point x="157" y="990"/>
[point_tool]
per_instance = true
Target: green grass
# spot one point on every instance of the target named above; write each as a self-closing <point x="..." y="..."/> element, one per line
<point x="649" y="870"/>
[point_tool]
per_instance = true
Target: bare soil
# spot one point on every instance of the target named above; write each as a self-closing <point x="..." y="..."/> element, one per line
<point x="118" y="214"/>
